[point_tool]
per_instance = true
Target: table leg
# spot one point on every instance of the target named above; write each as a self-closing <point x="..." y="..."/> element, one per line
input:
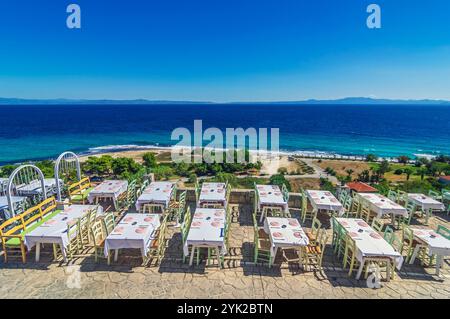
<point x="219" y="254"/>
<point x="439" y="262"/>
<point x="388" y="270"/>
<point x="272" y="258"/>
<point x="116" y="255"/>
<point x="414" y="255"/>
<point x="262" y="216"/>
<point x="38" y="251"/>
<point x="360" y="269"/>
<point x="191" y="258"/>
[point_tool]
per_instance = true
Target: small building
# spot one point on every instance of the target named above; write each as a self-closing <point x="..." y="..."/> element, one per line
<point x="360" y="187"/>
<point x="444" y="180"/>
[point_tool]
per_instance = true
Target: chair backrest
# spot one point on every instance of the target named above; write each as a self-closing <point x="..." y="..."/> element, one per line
<point x="97" y="234"/>
<point x="396" y="243"/>
<point x="402" y="196"/>
<point x="31" y="215"/>
<point x="433" y="194"/>
<point x="407" y="234"/>
<point x="443" y="231"/>
<point x="377" y="224"/>
<point x="322" y="239"/>
<point x="365" y="213"/>
<point x="11" y="226"/>
<point x="388" y="234"/>
<point x="84" y="219"/>
<point x="285" y="192"/>
<point x="316" y="224"/>
<point x="152" y="209"/>
<point x="78" y="187"/>
<point x="186" y="225"/>
<point x="109" y="223"/>
<point x="392" y="195"/>
<point x="47" y="206"/>
<point x="72" y="230"/>
<point x="350" y="244"/>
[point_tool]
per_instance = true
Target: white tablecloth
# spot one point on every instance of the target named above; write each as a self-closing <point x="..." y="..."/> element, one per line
<point x="157" y="193"/>
<point x="213" y="193"/>
<point x="368" y="242"/>
<point x="34" y="187"/>
<point x="284" y="233"/>
<point x="108" y="188"/>
<point x="207" y="229"/>
<point x="4" y="204"/>
<point x="437" y="245"/>
<point x="271" y="195"/>
<point x="426" y="202"/>
<point x="324" y="200"/>
<point x="133" y="231"/>
<point x="54" y="231"/>
<point x="383" y="205"/>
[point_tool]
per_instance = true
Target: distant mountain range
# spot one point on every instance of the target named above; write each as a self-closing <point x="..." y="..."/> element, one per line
<point x="344" y="101"/>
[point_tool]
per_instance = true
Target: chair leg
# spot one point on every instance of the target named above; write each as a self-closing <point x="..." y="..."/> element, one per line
<point x="24" y="253"/>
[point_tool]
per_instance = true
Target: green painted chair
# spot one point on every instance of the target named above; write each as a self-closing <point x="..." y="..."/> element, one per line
<point x="109" y="223"/>
<point x="377" y="225"/>
<point x="185" y="226"/>
<point x="261" y="244"/>
<point x="443" y="231"/>
<point x="388" y="234"/>
<point x="306" y="213"/>
<point x="402" y="220"/>
<point x="312" y="235"/>
<point x="392" y="196"/>
<point x="98" y="239"/>
<point x="350" y="255"/>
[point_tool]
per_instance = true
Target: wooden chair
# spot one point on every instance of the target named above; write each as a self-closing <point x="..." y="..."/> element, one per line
<point x="79" y="191"/>
<point x="392" y="196"/>
<point x="411" y="209"/>
<point x="185" y="226"/>
<point x="109" y="223"/>
<point x="377" y="225"/>
<point x="261" y="244"/>
<point x="312" y="235"/>
<point x="443" y="231"/>
<point x="159" y="244"/>
<point x="388" y="234"/>
<point x="84" y="227"/>
<point x="313" y="254"/>
<point x="350" y="255"/>
<point x="12" y="238"/>
<point x="74" y="245"/>
<point x="306" y="212"/>
<point x="98" y="239"/>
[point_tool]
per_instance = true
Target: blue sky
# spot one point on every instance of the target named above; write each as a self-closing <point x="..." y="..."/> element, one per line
<point x="217" y="50"/>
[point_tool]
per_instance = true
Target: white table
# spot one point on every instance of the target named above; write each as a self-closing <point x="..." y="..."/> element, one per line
<point x="54" y="231"/>
<point x="213" y="193"/>
<point x="426" y="202"/>
<point x="35" y="187"/>
<point x="207" y="230"/>
<point x="437" y="245"/>
<point x="156" y="193"/>
<point x="284" y="233"/>
<point x="270" y="196"/>
<point x="369" y="243"/>
<point x="324" y="200"/>
<point x="135" y="231"/>
<point x="382" y="205"/>
<point x="108" y="189"/>
<point x="4" y="203"/>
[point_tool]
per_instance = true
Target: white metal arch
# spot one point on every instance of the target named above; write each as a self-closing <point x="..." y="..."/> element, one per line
<point x="66" y="162"/>
<point x="27" y="174"/>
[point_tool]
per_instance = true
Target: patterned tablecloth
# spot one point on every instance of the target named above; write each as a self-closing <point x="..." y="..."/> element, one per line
<point x="368" y="242"/>
<point x="437" y="244"/>
<point x="133" y="231"/>
<point x="54" y="231"/>
<point x="108" y="188"/>
<point x="284" y="233"/>
<point x="324" y="200"/>
<point x="156" y="193"/>
<point x="213" y="193"/>
<point x="270" y="195"/>
<point x="383" y="205"/>
<point x="207" y="229"/>
<point x="426" y="202"/>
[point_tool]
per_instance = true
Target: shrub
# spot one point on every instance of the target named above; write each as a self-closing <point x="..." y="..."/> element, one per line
<point x="149" y="160"/>
<point x="279" y="180"/>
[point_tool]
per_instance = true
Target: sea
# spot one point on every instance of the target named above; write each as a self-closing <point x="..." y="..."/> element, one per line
<point x="35" y="132"/>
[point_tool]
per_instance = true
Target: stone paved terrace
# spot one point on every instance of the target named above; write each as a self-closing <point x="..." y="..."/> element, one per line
<point x="240" y="279"/>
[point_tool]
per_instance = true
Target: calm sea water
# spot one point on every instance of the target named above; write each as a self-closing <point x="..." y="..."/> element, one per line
<point x="41" y="131"/>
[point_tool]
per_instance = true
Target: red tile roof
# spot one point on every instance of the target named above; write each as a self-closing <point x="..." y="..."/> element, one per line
<point x="361" y="187"/>
<point x="447" y="178"/>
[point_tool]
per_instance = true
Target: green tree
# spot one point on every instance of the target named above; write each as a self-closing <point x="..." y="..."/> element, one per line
<point x="162" y="172"/>
<point x="349" y="174"/>
<point x="98" y="165"/>
<point x="279" y="179"/>
<point x="149" y="160"/>
<point x="403" y="159"/>
<point x="125" y="167"/>
<point x="408" y="172"/>
<point x="192" y="178"/>
<point x="371" y="158"/>
<point x="5" y="171"/>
